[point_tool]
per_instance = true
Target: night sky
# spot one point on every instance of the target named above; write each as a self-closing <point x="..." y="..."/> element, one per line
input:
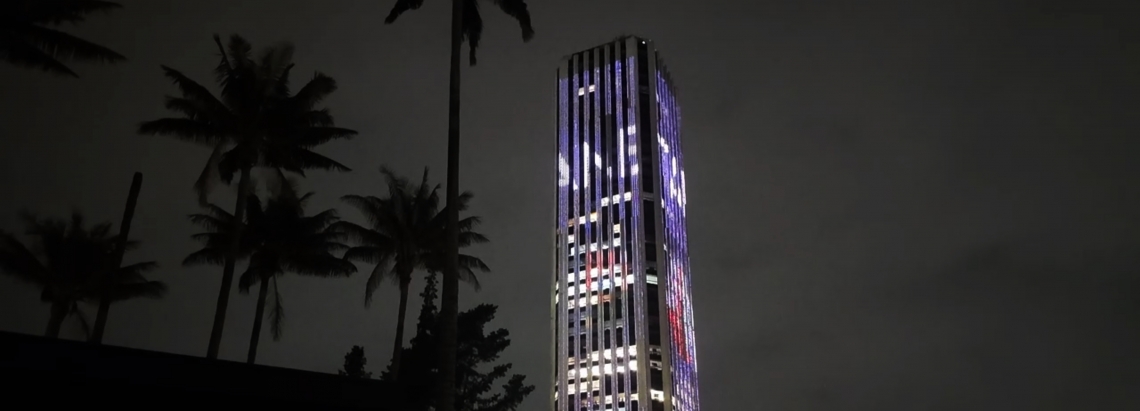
<point x="893" y="205"/>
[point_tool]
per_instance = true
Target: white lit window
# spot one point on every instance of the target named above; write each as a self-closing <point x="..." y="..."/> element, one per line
<point x="563" y="172"/>
<point x="652" y="279"/>
<point x="592" y="88"/>
<point x="657" y="395"/>
<point x="570" y="239"/>
<point x="617" y="229"/>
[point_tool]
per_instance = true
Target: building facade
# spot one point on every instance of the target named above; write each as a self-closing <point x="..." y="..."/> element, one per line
<point x="622" y="308"/>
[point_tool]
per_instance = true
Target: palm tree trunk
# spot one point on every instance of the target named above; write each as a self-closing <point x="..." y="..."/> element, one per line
<point x="228" y="271"/>
<point x="398" y="348"/>
<point x="121" y="248"/>
<point x="55" y="322"/>
<point x="449" y="308"/>
<point x="252" y="356"/>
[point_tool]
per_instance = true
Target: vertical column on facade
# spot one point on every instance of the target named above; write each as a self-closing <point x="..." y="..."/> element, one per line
<point x="560" y="248"/>
<point x="638" y="316"/>
<point x="605" y="388"/>
<point x="574" y="394"/>
<point x="669" y="279"/>
<point x="661" y="264"/>
<point x="691" y="380"/>
<point x="620" y="300"/>
<point x="592" y="206"/>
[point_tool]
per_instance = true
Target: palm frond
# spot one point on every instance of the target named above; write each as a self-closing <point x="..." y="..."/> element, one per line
<point x="315" y="136"/>
<point x="184" y="128"/>
<point x="18" y="261"/>
<point x="469" y="223"/>
<point x="210" y="177"/>
<point x="196" y="93"/>
<point x="212" y="222"/>
<point x="322" y="220"/>
<point x="58" y="45"/>
<point x="252" y="275"/>
<point x="147" y="289"/>
<point x="59" y="12"/>
<point x="298" y="160"/>
<point x="239" y="51"/>
<point x="366" y="254"/>
<point x="361" y="235"/>
<point x="400" y="7"/>
<point x="100" y="231"/>
<point x="517" y="9"/>
<point x="28" y="43"/>
<point x="425" y="189"/>
<point x="467" y="238"/>
<point x="209" y="256"/>
<point x="313" y="92"/>
<point x="136" y="269"/>
<point x="235" y="73"/>
<point x="241" y="157"/>
<point x="467" y="267"/>
<point x="316" y="118"/>
<point x="224" y="68"/>
<point x="472" y="28"/>
<point x="321" y="265"/>
<point x="282" y="86"/>
<point x="465" y="200"/>
<point x="281" y="186"/>
<point x="275" y="65"/>
<point x="365" y="204"/>
<point x="26" y="55"/>
<point x="217" y="240"/>
<point x="396" y="184"/>
<point x="379" y="273"/>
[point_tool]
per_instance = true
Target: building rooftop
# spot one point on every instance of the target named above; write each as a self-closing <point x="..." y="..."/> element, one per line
<point x="86" y="376"/>
<point x="613" y="40"/>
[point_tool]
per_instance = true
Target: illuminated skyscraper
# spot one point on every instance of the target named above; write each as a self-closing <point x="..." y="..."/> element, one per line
<point x="622" y="307"/>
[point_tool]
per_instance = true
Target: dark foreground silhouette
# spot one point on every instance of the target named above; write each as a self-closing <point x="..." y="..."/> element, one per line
<point x="90" y="376"/>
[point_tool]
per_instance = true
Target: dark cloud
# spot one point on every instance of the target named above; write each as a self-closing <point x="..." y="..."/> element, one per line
<point x="893" y="205"/>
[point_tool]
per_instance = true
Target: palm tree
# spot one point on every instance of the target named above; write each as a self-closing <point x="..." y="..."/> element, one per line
<point x="255" y="122"/>
<point x="406" y="231"/>
<point x="287" y="240"/>
<point x="26" y="39"/>
<point x="275" y="239"/>
<point x="466" y="23"/>
<point x="71" y="264"/>
<point x="107" y="285"/>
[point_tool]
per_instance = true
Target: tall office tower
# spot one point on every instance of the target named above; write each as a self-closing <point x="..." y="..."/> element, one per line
<point x="622" y="311"/>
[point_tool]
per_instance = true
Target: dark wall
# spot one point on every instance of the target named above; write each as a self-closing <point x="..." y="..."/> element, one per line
<point x="43" y="372"/>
